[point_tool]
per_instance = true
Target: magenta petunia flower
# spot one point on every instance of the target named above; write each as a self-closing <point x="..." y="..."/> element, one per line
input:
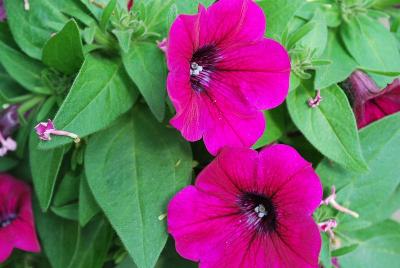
<point x="250" y="209"/>
<point x="222" y="72"/>
<point x="2" y="11"/>
<point x="370" y="102"/>
<point x="17" y="228"/>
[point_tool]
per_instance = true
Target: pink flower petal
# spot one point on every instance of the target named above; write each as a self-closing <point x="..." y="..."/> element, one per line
<point x="227" y="22"/>
<point x="285" y="175"/>
<point x="262" y="70"/>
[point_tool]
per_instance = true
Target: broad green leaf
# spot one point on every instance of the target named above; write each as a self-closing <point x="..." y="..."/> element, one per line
<point x="330" y="127"/>
<point x="92" y="245"/>
<point x="379" y="247"/>
<point x="371" y="44"/>
<point x="64" y="50"/>
<point x="124" y="38"/>
<point x="342" y="64"/>
<point x="331" y="12"/>
<point x="144" y="164"/>
<point x="325" y="256"/>
<point x="154" y="14"/>
<point x="372" y="192"/>
<point x="88" y="207"/>
<point x="26" y="71"/>
<point x="190" y="7"/>
<point x="45" y="166"/>
<point x="145" y="65"/>
<point x="279" y="13"/>
<point x="7" y="163"/>
<point x="102" y="92"/>
<point x="30" y="28"/>
<point x="68" y="246"/>
<point x="58" y="237"/>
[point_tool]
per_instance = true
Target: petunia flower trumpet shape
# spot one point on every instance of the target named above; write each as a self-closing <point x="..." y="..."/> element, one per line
<point x="249" y="209"/>
<point x="223" y="72"/>
<point x="2" y="11"/>
<point x="370" y="102"/>
<point x="17" y="228"/>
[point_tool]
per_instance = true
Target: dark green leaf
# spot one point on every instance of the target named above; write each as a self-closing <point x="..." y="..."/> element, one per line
<point x="144" y="164"/>
<point x="69" y="212"/>
<point x="101" y="93"/>
<point x="107" y="13"/>
<point x="45" y="166"/>
<point x="145" y="65"/>
<point x="67" y="190"/>
<point x="88" y="207"/>
<point x="64" y="50"/>
<point x="330" y="127"/>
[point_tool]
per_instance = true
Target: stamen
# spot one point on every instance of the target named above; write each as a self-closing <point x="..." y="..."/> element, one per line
<point x="261" y="211"/>
<point x="27" y="5"/>
<point x="195" y="69"/>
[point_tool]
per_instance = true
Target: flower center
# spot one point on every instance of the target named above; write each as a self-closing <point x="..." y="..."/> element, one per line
<point x="7" y="220"/>
<point x="259" y="210"/>
<point x="202" y="66"/>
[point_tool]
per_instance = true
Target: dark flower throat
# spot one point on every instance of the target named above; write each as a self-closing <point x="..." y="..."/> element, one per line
<point x="202" y="65"/>
<point x="260" y="211"/>
<point x="7" y="219"/>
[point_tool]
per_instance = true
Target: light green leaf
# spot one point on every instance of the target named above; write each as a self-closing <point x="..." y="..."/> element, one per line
<point x="330" y="127"/>
<point x="371" y="44"/>
<point x="144" y="165"/>
<point x="64" y="50"/>
<point x="372" y="192"/>
<point x="342" y="64"/>
<point x="317" y="38"/>
<point x="101" y="93"/>
<point x="145" y="65"/>
<point x="275" y="126"/>
<point x="107" y="13"/>
<point x="279" y="13"/>
<point x="45" y="166"/>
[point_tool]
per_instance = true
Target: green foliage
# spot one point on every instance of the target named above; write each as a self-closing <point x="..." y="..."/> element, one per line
<point x="330" y="127"/>
<point x="64" y="50"/>
<point x="132" y="153"/>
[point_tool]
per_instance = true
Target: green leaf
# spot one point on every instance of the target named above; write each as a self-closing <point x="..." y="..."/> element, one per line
<point x="67" y="190"/>
<point x="191" y="7"/>
<point x="279" y="13"/>
<point x="30" y="29"/>
<point x="124" y="38"/>
<point x="45" y="166"/>
<point x="7" y="163"/>
<point x="317" y="38"/>
<point x="341" y="67"/>
<point x="107" y="13"/>
<point x="68" y="246"/>
<point x="372" y="192"/>
<point x="154" y="14"/>
<point x="64" y="50"/>
<point x="143" y="164"/>
<point x="26" y="71"/>
<point x="88" y="207"/>
<point x="379" y="247"/>
<point x="325" y="257"/>
<point x="330" y="10"/>
<point x="330" y="127"/>
<point x="101" y="93"/>
<point x="145" y="65"/>
<point x="69" y="211"/>
<point x="371" y="44"/>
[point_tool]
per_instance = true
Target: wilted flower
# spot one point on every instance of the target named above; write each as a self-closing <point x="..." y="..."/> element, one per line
<point x="250" y="209"/>
<point x="45" y="129"/>
<point x="2" y="11"/>
<point x="130" y="4"/>
<point x="370" y="102"/>
<point x="17" y="228"/>
<point x="223" y="72"/>
<point x="8" y="124"/>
